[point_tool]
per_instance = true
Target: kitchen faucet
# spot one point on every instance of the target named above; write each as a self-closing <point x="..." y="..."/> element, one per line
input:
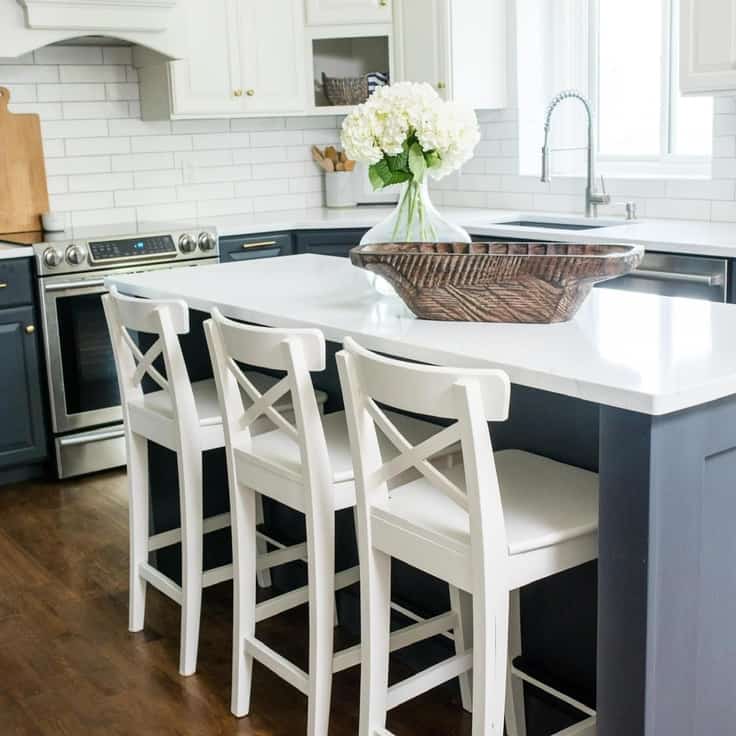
<point x="592" y="197"/>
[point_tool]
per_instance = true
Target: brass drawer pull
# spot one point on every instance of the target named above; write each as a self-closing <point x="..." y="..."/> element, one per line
<point x="3" y="285"/>
<point x="262" y="244"/>
<point x="30" y="329"/>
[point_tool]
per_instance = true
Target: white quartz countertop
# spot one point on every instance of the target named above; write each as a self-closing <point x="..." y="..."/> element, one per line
<point x="14" y="251"/>
<point x="640" y="352"/>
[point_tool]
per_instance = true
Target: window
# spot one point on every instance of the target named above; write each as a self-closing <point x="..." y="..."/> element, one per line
<point x="622" y="54"/>
<point x="642" y="118"/>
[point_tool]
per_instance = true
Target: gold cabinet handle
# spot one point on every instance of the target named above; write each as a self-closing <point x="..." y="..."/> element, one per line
<point x="3" y="285"/>
<point x="250" y="92"/>
<point x="441" y="85"/>
<point x="262" y="244"/>
<point x="383" y="3"/>
<point x="238" y="92"/>
<point x="30" y="329"/>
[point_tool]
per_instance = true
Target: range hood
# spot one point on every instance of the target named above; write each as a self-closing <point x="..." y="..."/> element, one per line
<point x="26" y="25"/>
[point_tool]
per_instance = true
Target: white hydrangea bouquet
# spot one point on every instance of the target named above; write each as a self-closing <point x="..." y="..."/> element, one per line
<point x="405" y="132"/>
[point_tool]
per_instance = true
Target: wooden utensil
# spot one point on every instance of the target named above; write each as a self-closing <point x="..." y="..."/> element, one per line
<point x="23" y="193"/>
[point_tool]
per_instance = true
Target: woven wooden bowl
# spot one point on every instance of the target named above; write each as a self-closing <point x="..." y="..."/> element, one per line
<point x="496" y="282"/>
<point x="345" y="90"/>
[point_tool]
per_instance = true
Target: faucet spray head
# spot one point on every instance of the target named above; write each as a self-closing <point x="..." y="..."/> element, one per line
<point x="545" y="177"/>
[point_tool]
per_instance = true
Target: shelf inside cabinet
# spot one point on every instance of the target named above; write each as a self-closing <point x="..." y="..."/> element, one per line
<point x="347" y="58"/>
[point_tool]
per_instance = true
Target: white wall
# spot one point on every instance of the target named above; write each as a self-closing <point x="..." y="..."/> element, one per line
<point x="106" y="165"/>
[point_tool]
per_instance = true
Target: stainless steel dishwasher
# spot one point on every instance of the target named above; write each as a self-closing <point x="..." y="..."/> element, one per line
<point x="667" y="274"/>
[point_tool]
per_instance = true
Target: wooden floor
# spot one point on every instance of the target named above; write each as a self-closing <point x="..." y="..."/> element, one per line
<point x="69" y="666"/>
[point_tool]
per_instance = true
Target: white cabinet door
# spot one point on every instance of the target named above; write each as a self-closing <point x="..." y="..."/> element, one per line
<point x="272" y="55"/>
<point x="458" y="46"/>
<point x="208" y="80"/>
<point x="327" y="12"/>
<point x="708" y="46"/>
<point x="422" y="33"/>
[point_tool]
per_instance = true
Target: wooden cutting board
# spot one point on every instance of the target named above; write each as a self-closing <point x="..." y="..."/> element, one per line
<point x="23" y="193"/>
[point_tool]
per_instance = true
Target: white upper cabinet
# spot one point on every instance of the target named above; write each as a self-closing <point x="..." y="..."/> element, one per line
<point x="457" y="46"/>
<point x="272" y="55"/>
<point x="708" y="46"/>
<point x="330" y="12"/>
<point x="208" y="80"/>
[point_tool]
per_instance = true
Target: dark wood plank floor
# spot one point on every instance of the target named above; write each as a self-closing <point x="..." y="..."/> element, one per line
<point x="68" y="665"/>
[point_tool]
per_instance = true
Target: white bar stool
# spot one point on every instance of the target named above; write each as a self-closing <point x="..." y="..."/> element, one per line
<point x="487" y="526"/>
<point x="185" y="418"/>
<point x="308" y="467"/>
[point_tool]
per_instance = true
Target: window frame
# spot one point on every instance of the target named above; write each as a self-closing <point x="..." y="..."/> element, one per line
<point x="667" y="164"/>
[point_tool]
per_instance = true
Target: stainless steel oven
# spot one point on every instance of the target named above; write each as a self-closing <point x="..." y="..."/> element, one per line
<point x="86" y="415"/>
<point x="669" y="274"/>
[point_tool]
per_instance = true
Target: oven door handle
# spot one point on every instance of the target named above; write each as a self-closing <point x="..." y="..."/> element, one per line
<point x="110" y="434"/>
<point x="689" y="278"/>
<point x="66" y="285"/>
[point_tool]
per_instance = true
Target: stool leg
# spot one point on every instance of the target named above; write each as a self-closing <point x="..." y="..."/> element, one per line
<point x="243" y="525"/>
<point x="375" y="622"/>
<point x="490" y="660"/>
<point x="515" y="714"/>
<point x="264" y="576"/>
<point x="138" y="527"/>
<point x="462" y="604"/>
<point x="321" y="573"/>
<point x="190" y="494"/>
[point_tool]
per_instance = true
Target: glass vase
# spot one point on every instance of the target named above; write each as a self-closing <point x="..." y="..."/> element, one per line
<point x="415" y="220"/>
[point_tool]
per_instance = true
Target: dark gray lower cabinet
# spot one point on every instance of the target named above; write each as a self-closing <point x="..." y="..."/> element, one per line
<point x="22" y="433"/>
<point x="328" y="242"/>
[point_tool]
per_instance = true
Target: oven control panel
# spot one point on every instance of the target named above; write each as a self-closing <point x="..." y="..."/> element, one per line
<point x="123" y="249"/>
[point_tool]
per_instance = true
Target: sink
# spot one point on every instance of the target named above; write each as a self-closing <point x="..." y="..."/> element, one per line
<point x="552" y="225"/>
<point x="560" y="222"/>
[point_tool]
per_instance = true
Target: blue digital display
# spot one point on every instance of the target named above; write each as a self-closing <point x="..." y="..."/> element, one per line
<point x="139" y="245"/>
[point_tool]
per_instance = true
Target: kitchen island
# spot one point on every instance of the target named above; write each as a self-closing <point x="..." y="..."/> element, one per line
<point x="641" y="388"/>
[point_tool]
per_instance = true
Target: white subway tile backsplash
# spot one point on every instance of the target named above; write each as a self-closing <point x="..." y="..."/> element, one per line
<point x="717" y="189"/>
<point x="205" y="174"/>
<point x="99" y="182"/>
<point x="155" y="143"/>
<point x="160" y="178"/>
<point x="112" y="216"/>
<point x="240" y="124"/>
<point x="80" y="201"/>
<point x="68" y="55"/>
<point x="200" y="126"/>
<point x="133" y="126"/>
<point x="277" y="138"/>
<point x="122" y="90"/>
<point x="217" y="207"/>
<point x="258" y="188"/>
<point x="142" y="161"/>
<point x="283" y="170"/>
<point x="679" y="209"/>
<point x="74" y="128"/>
<point x="12" y="73"/>
<point x="57" y="184"/>
<point x="22" y="92"/>
<point x="268" y="155"/>
<point x="210" y="141"/>
<point x="70" y="92"/>
<point x="46" y="110"/>
<point x="95" y="110"/>
<point x="91" y="73"/>
<point x="96" y="146"/>
<point x="173" y="212"/>
<point x="140" y="197"/>
<point x="80" y="165"/>
<point x="53" y="148"/>
<point x="201" y="192"/>
<point x="192" y="159"/>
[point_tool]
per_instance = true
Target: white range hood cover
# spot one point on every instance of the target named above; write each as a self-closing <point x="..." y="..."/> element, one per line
<point x="26" y="25"/>
<point x="99" y="15"/>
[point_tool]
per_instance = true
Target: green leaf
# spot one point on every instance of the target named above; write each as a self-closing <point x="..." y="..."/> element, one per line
<point x="433" y="159"/>
<point x="417" y="164"/>
<point x="375" y="177"/>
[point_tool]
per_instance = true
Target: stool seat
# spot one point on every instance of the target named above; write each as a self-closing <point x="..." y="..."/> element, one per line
<point x="278" y="453"/>
<point x="545" y="503"/>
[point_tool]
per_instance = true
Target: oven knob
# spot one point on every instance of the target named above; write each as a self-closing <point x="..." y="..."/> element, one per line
<point x="51" y="257"/>
<point x="186" y="243"/>
<point x="207" y="241"/>
<point x="75" y="255"/>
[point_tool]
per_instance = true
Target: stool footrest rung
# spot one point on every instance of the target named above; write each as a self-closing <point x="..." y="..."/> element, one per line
<point x="428" y="679"/>
<point x="399" y="639"/>
<point x="160" y="581"/>
<point x="173" y="536"/>
<point x="286" y="670"/>
<point x="516" y="672"/>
